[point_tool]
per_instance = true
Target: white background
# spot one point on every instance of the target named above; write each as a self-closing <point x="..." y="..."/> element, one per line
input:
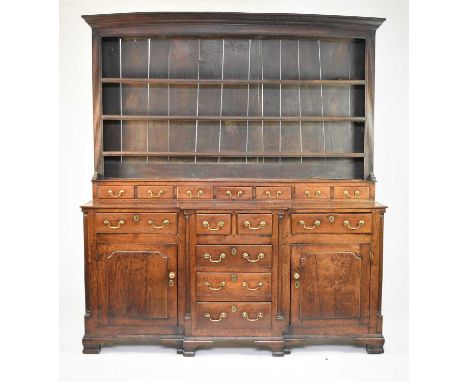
<point x="29" y="149"/>
<point x="76" y="160"/>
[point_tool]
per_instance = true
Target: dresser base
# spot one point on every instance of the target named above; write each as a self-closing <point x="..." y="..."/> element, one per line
<point x="279" y="346"/>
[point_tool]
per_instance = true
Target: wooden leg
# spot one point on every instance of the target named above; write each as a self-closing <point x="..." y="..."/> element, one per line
<point x="189" y="349"/>
<point x="374" y="348"/>
<point x="287" y="350"/>
<point x="180" y="350"/>
<point x="277" y="349"/>
<point x="91" y="348"/>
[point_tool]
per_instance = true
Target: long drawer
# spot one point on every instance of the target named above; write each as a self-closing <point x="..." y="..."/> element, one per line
<point x="331" y="223"/>
<point x="242" y="256"/>
<point x="233" y="315"/>
<point x="158" y="222"/>
<point x="233" y="286"/>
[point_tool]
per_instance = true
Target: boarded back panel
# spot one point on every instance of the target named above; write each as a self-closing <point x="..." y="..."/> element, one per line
<point x="135" y="58"/>
<point x="211" y="57"/>
<point x="111" y="57"/>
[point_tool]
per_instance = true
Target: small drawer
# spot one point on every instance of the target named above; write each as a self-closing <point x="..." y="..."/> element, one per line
<point x="311" y="191"/>
<point x="136" y="223"/>
<point x="116" y="192"/>
<point x="273" y="193"/>
<point x="254" y="224"/>
<point x="194" y="192"/>
<point x="233" y="315"/>
<point x="226" y="286"/>
<point x="351" y="192"/>
<point x="155" y="192"/>
<point x="233" y="193"/>
<point x="331" y="223"/>
<point x="213" y="224"/>
<point x="245" y="256"/>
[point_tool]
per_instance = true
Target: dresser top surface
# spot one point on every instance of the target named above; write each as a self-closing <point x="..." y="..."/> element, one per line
<point x="329" y="205"/>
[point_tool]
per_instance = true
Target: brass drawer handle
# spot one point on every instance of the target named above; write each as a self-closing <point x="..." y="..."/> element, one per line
<point x="356" y="194"/>
<point x="246" y="286"/>
<point x="239" y="194"/>
<point x="221" y="316"/>
<point x="246" y="316"/>
<point x="199" y="193"/>
<point x="245" y="255"/>
<point x="221" y="286"/>
<point x="111" y="193"/>
<point x="303" y="224"/>
<point x="164" y="223"/>
<point x="158" y="195"/>
<point x="278" y="194"/>
<point x="347" y="225"/>
<point x="260" y="225"/>
<point x="107" y="223"/>
<point x="222" y="256"/>
<point x="219" y="225"/>
<point x="309" y="195"/>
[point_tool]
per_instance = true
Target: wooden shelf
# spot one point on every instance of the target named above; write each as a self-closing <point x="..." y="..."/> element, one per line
<point x="178" y="81"/>
<point x="233" y="154"/>
<point x="217" y="118"/>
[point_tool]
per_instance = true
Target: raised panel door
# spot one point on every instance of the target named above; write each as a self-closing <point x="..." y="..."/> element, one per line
<point x="330" y="284"/>
<point x="137" y="284"/>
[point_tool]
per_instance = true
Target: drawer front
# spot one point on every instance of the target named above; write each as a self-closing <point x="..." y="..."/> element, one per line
<point x="351" y="192"/>
<point x="233" y="315"/>
<point x="273" y="193"/>
<point x="116" y="192"/>
<point x="310" y="191"/>
<point x="254" y="224"/>
<point x="194" y="192"/>
<point x="155" y="192"/>
<point x="331" y="223"/>
<point x="245" y="256"/>
<point x="233" y="286"/>
<point x="213" y="224"/>
<point x="233" y="193"/>
<point x="161" y="222"/>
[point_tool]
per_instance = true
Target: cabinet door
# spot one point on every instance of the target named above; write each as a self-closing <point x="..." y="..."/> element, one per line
<point x="137" y="284"/>
<point x="329" y="283"/>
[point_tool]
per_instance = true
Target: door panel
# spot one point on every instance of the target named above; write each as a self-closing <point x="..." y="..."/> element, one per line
<point x="135" y="286"/>
<point x="329" y="283"/>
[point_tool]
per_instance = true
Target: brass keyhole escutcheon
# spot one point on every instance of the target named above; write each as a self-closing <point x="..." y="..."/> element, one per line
<point x="234" y="278"/>
<point x="234" y="309"/>
<point x="331" y="219"/>
<point x="233" y="251"/>
<point x="296" y="277"/>
<point x="136" y="218"/>
<point x="171" y="278"/>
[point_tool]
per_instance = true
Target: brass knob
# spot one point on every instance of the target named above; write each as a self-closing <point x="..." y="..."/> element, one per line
<point x="172" y="275"/>
<point x="296" y="276"/>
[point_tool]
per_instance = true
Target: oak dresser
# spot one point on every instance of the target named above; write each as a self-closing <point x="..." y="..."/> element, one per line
<point x="233" y="194"/>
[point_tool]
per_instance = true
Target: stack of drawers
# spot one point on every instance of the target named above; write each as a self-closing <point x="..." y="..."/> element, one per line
<point x="233" y="273"/>
<point x="300" y="191"/>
